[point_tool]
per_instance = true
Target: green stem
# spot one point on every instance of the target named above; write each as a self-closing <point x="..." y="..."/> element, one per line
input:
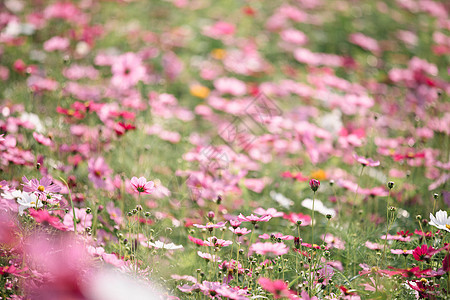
<point x="71" y="204"/>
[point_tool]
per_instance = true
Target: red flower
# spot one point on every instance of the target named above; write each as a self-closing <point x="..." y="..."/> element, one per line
<point x="410" y="272"/>
<point x="424" y="252"/>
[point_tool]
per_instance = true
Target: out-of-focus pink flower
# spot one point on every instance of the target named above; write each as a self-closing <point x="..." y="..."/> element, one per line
<point x="269" y="249"/>
<point x="270" y="211"/>
<point x="43" y="216"/>
<point x="365" y="42"/>
<point x="229" y="85"/>
<point x="98" y="171"/>
<point x="56" y="43"/>
<point x="366" y="161"/>
<point x="42" y="139"/>
<point x="141" y="185"/>
<point x="278" y="288"/>
<point x="127" y="71"/>
<point x="82" y="218"/>
<point x="333" y="242"/>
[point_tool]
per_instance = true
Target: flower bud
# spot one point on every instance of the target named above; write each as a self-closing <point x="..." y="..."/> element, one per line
<point x="314" y="184"/>
<point x="390" y="185"/>
<point x="211" y="215"/>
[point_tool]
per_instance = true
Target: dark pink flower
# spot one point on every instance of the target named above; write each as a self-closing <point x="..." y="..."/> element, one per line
<point x="314" y="184"/>
<point x="424" y="252"/>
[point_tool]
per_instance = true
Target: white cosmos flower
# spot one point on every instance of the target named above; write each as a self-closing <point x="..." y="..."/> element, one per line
<point x="281" y="199"/>
<point x="161" y="245"/>
<point x="28" y="200"/>
<point x="12" y="194"/>
<point x="441" y="221"/>
<point x="319" y="207"/>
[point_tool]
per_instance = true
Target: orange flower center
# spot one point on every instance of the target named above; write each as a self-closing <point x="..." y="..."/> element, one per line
<point x="41" y="188"/>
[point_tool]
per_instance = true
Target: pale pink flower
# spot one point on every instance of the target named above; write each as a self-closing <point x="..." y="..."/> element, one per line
<point x="333" y="242"/>
<point x="127" y="71"/>
<point x="269" y="249"/>
<point x="229" y="85"/>
<point x="141" y="185"/>
<point x="270" y="212"/>
<point x="253" y="219"/>
<point x="56" y="43"/>
<point x="42" y="139"/>
<point x="83" y="219"/>
<point x="278" y="235"/>
<point x="240" y="231"/>
<point x="366" y="161"/>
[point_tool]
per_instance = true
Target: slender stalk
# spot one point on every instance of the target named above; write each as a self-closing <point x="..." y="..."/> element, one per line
<point x="71" y="204"/>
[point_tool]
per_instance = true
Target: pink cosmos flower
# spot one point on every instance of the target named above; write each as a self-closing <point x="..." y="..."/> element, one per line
<point x="366" y="161"/>
<point x="254" y="219"/>
<point x="333" y="242"/>
<point x="240" y="231"/>
<point x="98" y="171"/>
<point x="270" y="212"/>
<point x="141" y="185"/>
<point x="45" y="185"/>
<point x="127" y="71"/>
<point x="278" y="288"/>
<point x="401" y="251"/>
<point x="215" y="242"/>
<point x="229" y="85"/>
<point x="83" y="220"/>
<point x="298" y="218"/>
<point x="210" y="226"/>
<point x="42" y="139"/>
<point x="269" y="249"/>
<point x="43" y="216"/>
<point x="208" y="256"/>
<point x="278" y="235"/>
<point x="373" y="246"/>
<point x="365" y="42"/>
<point x="56" y="43"/>
<point x="424" y="252"/>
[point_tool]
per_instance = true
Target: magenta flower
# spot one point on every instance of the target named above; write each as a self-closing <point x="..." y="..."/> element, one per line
<point x="45" y="185"/>
<point x="141" y="185"/>
<point x="269" y="249"/>
<point x="424" y="252"/>
<point x="366" y="161"/>
<point x="254" y="219"/>
<point x="314" y="184"/>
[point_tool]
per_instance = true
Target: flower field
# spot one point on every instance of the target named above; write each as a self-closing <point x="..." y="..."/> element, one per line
<point x="199" y="149"/>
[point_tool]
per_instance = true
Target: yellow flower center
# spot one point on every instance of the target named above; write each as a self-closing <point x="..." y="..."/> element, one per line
<point x="41" y="188"/>
<point x="447" y="226"/>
